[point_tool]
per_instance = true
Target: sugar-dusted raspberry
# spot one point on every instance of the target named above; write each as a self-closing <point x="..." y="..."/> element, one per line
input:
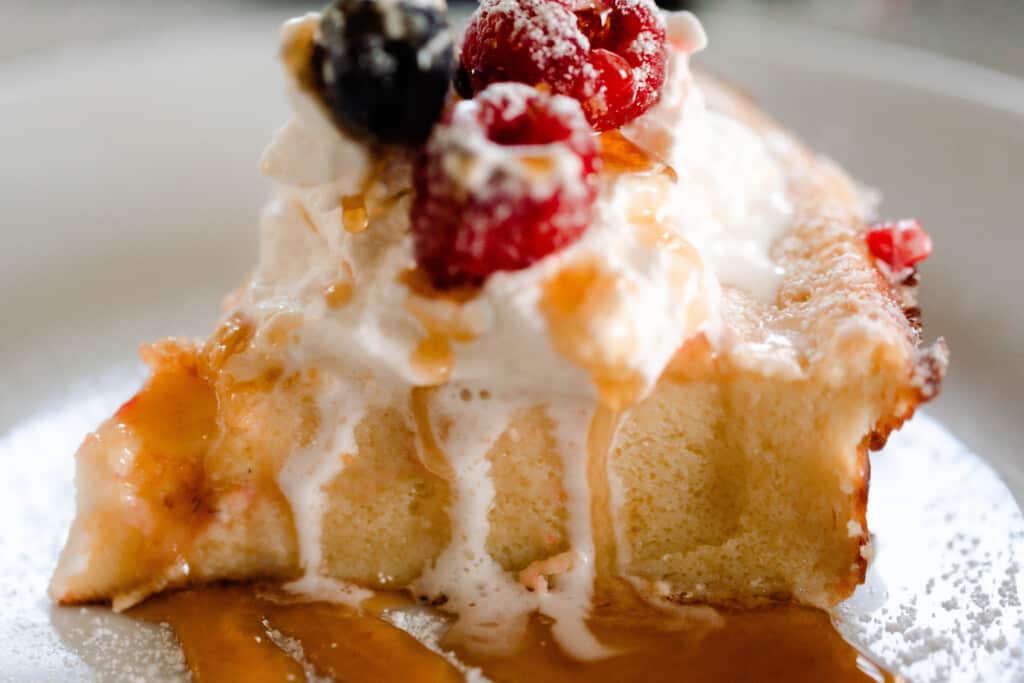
<point x="899" y="244"/>
<point x="608" y="54"/>
<point x="505" y="179"/>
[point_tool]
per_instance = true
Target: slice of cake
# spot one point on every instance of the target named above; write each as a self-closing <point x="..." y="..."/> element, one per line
<point x="589" y="329"/>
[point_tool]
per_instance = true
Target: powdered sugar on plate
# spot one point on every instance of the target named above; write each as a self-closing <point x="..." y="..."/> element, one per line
<point x="943" y="597"/>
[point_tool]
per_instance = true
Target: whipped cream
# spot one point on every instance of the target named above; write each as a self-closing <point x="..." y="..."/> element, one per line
<point x="586" y="332"/>
<point x="729" y="203"/>
<point x="731" y="200"/>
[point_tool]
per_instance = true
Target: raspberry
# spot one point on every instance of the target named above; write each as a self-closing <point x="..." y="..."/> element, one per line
<point x="505" y="179"/>
<point x="900" y="244"/>
<point x="610" y="54"/>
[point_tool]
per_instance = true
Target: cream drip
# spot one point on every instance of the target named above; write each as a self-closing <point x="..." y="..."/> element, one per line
<point x="569" y="603"/>
<point x="491" y="606"/>
<point x="303" y="478"/>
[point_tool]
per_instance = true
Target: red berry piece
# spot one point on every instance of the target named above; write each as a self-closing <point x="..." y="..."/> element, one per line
<point x="899" y="244"/>
<point x="505" y="179"/>
<point x="608" y="54"/>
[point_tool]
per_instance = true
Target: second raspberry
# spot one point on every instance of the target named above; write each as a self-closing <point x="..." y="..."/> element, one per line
<point x="609" y="54"/>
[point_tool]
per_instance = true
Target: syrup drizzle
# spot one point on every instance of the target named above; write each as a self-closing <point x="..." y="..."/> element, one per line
<point x="441" y="314"/>
<point x="433" y="358"/>
<point x="338" y="293"/>
<point x="362" y="208"/>
<point x="354" y="215"/>
<point x="621" y="155"/>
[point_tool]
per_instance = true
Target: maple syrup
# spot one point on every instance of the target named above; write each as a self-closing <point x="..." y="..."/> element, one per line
<point x="622" y="155"/>
<point x="254" y="632"/>
<point x="418" y="282"/>
<point x="231" y="338"/>
<point x="433" y="358"/>
<point x="305" y="216"/>
<point x="362" y="208"/>
<point x="355" y="217"/>
<point x="577" y="294"/>
<point x="174" y="413"/>
<point x="297" y="53"/>
<point x="788" y="644"/>
<point x="430" y="453"/>
<point x="340" y="291"/>
<point x="441" y="313"/>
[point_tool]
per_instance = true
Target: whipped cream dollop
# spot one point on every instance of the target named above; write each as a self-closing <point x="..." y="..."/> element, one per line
<point x="616" y="304"/>
<point x="730" y="200"/>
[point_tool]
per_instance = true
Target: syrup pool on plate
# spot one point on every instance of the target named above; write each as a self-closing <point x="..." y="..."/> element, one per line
<point x="254" y="633"/>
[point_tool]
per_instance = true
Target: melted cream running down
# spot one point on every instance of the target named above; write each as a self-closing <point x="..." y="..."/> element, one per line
<point x="336" y="254"/>
<point x="569" y="603"/>
<point x="492" y="606"/>
<point x="303" y="479"/>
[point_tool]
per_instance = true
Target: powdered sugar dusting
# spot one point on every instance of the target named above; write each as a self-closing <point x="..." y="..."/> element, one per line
<point x="293" y="648"/>
<point x="574" y="49"/>
<point x="484" y="168"/>
<point x="428" y="627"/>
<point x="549" y="25"/>
<point x="943" y="596"/>
<point x="123" y="650"/>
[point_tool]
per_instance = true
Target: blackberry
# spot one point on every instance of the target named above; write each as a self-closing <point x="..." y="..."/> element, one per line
<point x="462" y="83"/>
<point x="383" y="67"/>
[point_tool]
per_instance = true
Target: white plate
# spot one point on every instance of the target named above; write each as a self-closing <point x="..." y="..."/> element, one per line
<point x="128" y="197"/>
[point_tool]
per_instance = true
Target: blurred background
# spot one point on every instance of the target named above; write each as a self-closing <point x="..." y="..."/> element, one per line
<point x="986" y="32"/>
<point x="131" y="132"/>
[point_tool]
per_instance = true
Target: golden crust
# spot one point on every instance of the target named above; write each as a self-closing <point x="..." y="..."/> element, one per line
<point x="831" y="279"/>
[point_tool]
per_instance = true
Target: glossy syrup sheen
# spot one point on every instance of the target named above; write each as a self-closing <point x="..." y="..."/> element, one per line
<point x="789" y="644"/>
<point x="256" y="633"/>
